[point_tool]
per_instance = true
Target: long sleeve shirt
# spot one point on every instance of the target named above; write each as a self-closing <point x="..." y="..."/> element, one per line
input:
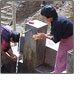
<point x="61" y="28"/>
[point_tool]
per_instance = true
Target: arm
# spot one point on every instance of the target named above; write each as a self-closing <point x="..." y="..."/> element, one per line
<point x="42" y="36"/>
<point x="49" y="36"/>
<point x="10" y="52"/>
<point x="9" y="55"/>
<point x="6" y="55"/>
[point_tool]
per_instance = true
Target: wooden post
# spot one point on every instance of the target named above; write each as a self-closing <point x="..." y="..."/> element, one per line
<point x="14" y="15"/>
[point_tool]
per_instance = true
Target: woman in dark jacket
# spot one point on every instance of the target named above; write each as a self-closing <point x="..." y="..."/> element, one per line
<point x="61" y="31"/>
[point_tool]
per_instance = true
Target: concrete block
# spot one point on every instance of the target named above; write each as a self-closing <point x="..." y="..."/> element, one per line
<point x="36" y="26"/>
<point x="51" y="51"/>
<point x="34" y="50"/>
<point x="50" y="56"/>
<point x="21" y="44"/>
<point x="70" y="62"/>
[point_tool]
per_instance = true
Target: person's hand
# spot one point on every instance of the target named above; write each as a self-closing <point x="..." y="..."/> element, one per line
<point x="39" y="36"/>
<point x="19" y="57"/>
<point x="42" y="35"/>
<point x="14" y="58"/>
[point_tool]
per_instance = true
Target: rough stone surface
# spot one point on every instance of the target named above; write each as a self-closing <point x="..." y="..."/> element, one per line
<point x="34" y="50"/>
<point x="21" y="43"/>
<point x="51" y="51"/>
<point x="70" y="62"/>
<point x="44" y="68"/>
<point x="27" y="9"/>
<point x="50" y="56"/>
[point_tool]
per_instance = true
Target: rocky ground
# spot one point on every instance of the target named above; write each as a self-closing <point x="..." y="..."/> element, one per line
<point x="64" y="8"/>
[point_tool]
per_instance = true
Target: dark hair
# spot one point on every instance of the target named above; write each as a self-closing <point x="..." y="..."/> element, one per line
<point x="49" y="11"/>
<point x="15" y="36"/>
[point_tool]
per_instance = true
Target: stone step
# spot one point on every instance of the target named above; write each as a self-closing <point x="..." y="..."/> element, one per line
<point x="44" y="68"/>
<point x="2" y="8"/>
<point x="3" y="14"/>
<point x="10" y="9"/>
<point x="9" y="3"/>
<point x="6" y="7"/>
<point x="6" y="13"/>
<point x="6" y="18"/>
<point x="4" y="22"/>
<point x="9" y="13"/>
<point x="3" y="11"/>
<point x="10" y="16"/>
<point x="23" y="1"/>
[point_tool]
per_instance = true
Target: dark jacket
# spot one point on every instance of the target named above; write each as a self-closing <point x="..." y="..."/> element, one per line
<point x="61" y="28"/>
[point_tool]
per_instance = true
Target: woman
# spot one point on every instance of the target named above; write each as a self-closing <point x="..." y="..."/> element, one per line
<point x="7" y="36"/>
<point x="61" y="31"/>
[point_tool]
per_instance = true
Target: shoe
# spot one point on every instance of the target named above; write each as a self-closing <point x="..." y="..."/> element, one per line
<point x="53" y="72"/>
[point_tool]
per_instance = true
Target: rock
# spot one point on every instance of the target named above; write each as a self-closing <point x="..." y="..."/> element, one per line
<point x="27" y="8"/>
<point x="58" y="4"/>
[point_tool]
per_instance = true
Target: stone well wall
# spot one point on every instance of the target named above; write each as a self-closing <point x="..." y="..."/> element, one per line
<point x="28" y="8"/>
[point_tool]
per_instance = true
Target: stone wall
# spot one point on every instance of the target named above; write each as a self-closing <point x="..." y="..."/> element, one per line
<point x="34" y="50"/>
<point x="27" y="8"/>
<point x="3" y="3"/>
